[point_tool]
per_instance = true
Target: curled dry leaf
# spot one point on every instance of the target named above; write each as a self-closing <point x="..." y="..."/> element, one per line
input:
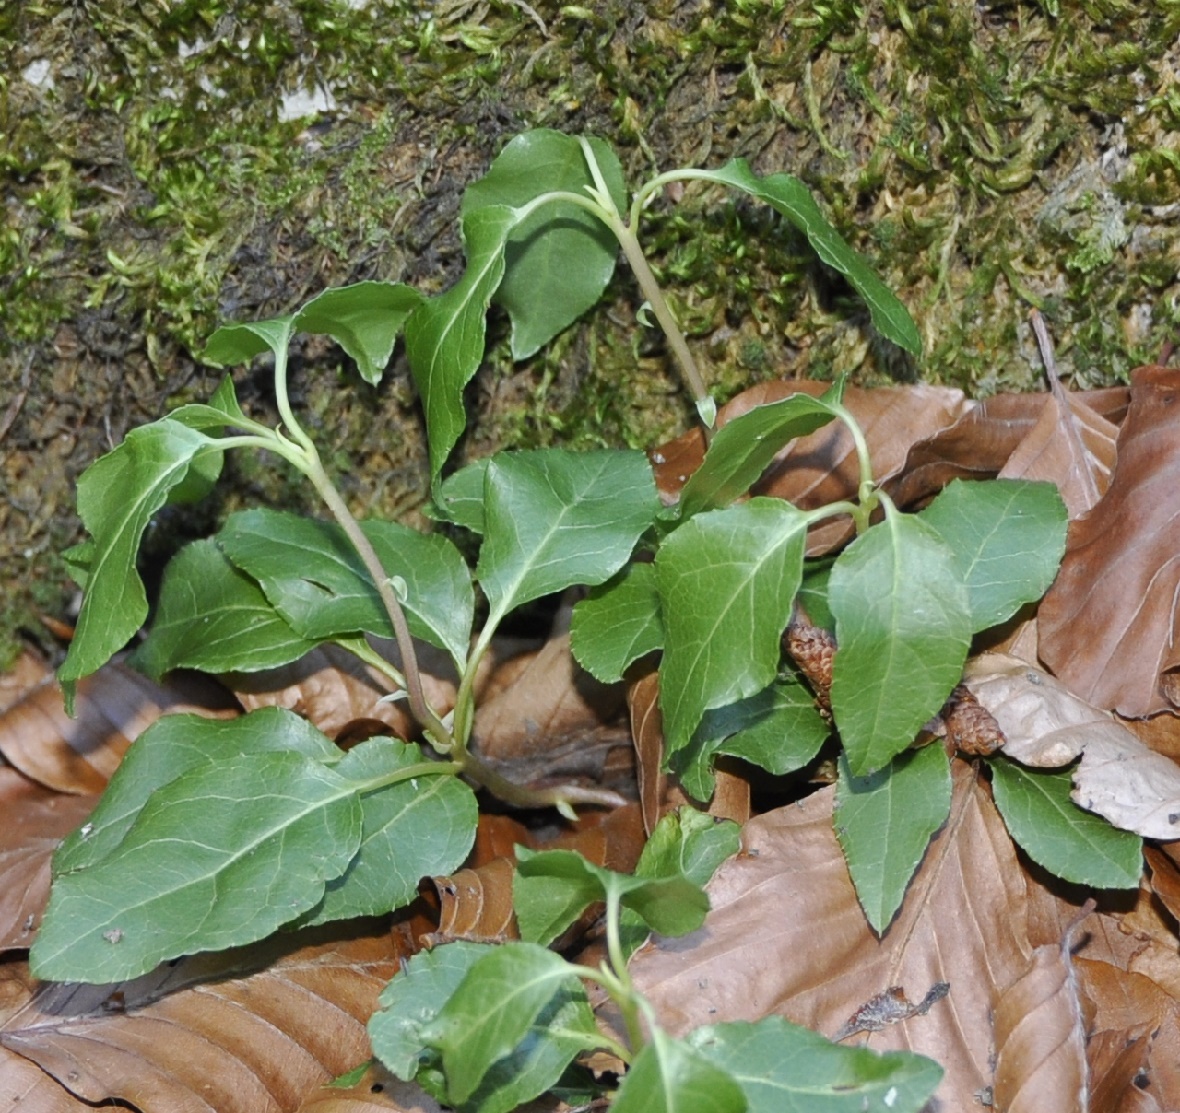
<point x="1046" y="725"/>
<point x="114" y="706"/>
<point x="1109" y="626"/>
<point x="476" y="905"/>
<point x="249" y="1031"/>
<point x="786" y="935"/>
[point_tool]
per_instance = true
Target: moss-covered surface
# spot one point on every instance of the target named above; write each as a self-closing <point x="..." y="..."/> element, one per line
<point x="985" y="157"/>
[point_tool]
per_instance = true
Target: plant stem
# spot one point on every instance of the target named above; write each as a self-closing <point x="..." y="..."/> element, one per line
<point x="440" y="737"/>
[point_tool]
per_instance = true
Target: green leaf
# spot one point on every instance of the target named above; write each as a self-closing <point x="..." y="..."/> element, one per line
<point x="686" y="844"/>
<point x="459" y="497"/>
<point x="791" y="197"/>
<point x="813" y="593"/>
<point x="220" y="412"/>
<point x="221" y="856"/>
<point x="495" y="1008"/>
<point x="884" y="822"/>
<point x="411" y="1002"/>
<point x="1074" y="844"/>
<point x="419" y="827"/>
<point x="784" y="1068"/>
<point x="778" y="729"/>
<point x="903" y="625"/>
<point x="317" y="581"/>
<point x="1008" y="537"/>
<point x="553" y="887"/>
<point x="174" y="745"/>
<point x="559" y="259"/>
<point x="727" y="580"/>
<point x="669" y="1076"/>
<point x="557" y="517"/>
<point x="364" y="319"/>
<point x="117" y="496"/>
<point x="562" y="1030"/>
<point x="617" y="623"/>
<point x="240" y="343"/>
<point x="215" y="618"/>
<point x="445" y="336"/>
<point x="743" y="448"/>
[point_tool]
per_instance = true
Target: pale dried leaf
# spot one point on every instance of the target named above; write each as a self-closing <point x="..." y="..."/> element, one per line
<point x="36" y="819"/>
<point x="1040" y="1039"/>
<point x="1045" y="725"/>
<point x="114" y="706"/>
<point x="215" y="1033"/>
<point x="1131" y="786"/>
<point x="786" y="935"/>
<point x="981" y="442"/>
<point x="1108" y="626"/>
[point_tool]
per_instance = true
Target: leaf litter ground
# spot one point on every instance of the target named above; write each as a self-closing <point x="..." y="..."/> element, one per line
<point x="1032" y="993"/>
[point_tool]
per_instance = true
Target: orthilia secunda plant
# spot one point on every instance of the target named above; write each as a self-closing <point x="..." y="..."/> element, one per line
<point x="204" y="815"/>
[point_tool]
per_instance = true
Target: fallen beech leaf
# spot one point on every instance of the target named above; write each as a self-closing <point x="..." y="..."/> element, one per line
<point x="1040" y="1038"/>
<point x="822" y="468"/>
<point x="549" y="701"/>
<point x="377" y="1089"/>
<point x="1108" y="626"/>
<point x="786" y="935"/>
<point x="214" y="1033"/>
<point x="1049" y="452"/>
<point x="660" y="792"/>
<point x="981" y="443"/>
<point x="114" y="706"/>
<point x="28" y="1088"/>
<point x="35" y="821"/>
<point x="332" y="689"/>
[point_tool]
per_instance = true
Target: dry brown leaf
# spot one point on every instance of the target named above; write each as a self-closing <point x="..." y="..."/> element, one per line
<point x="660" y="792"/>
<point x="1129" y="1046"/>
<point x="1040" y="1038"/>
<point x="786" y="935"/>
<point x="36" y="819"/>
<point x="549" y="702"/>
<point x="822" y="468"/>
<point x="378" y="1089"/>
<point x="1108" y="626"/>
<point x="981" y="442"/>
<point x="214" y="1033"/>
<point x="1080" y="464"/>
<point x="114" y="706"/>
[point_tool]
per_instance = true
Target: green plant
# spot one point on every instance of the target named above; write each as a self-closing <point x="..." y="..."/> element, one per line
<point x="203" y="815"/>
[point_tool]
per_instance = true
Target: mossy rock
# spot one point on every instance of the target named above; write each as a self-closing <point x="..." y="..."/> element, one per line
<point x="162" y="174"/>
